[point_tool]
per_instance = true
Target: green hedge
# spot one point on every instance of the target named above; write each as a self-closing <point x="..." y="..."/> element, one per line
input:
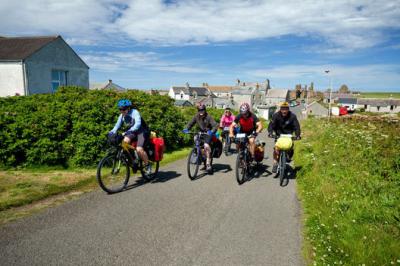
<point x="70" y="126"/>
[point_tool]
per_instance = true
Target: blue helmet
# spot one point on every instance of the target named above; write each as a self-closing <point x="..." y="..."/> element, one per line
<point x="124" y="103"/>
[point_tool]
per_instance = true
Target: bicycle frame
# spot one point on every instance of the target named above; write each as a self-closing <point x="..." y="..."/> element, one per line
<point x="200" y="146"/>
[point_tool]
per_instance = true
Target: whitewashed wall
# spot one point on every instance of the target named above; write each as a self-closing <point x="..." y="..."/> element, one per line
<point x="11" y="79"/>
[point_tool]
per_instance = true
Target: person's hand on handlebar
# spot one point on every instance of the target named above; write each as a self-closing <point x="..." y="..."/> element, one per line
<point x="186" y="131"/>
<point x="298" y="138"/>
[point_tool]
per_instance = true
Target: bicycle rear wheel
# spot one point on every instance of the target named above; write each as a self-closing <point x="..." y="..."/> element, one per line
<point x="282" y="168"/>
<point x="241" y="167"/>
<point x="193" y="163"/>
<point x="113" y="173"/>
<point x="154" y="170"/>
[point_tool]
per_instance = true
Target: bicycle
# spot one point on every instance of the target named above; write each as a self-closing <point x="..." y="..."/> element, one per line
<point x="197" y="155"/>
<point x="283" y="157"/>
<point x="226" y="140"/>
<point x="113" y="171"/>
<point x="243" y="159"/>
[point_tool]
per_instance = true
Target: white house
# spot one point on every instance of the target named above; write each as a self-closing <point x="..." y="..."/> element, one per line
<point x="276" y="96"/>
<point x="349" y="103"/>
<point x="192" y="94"/>
<point x="30" y="65"/>
<point x="379" y="105"/>
<point x="220" y="91"/>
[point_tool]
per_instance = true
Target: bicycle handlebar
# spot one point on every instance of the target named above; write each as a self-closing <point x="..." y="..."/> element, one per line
<point x="283" y="135"/>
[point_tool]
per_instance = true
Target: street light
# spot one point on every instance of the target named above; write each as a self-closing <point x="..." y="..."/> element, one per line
<point x="330" y="92"/>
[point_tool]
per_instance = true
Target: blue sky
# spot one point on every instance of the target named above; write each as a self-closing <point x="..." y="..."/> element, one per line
<point x="156" y="44"/>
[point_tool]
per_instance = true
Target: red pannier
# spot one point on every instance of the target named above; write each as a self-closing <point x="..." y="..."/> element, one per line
<point x="159" y="146"/>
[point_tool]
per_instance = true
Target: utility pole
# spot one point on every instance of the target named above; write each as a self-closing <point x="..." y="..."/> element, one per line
<point x="330" y="93"/>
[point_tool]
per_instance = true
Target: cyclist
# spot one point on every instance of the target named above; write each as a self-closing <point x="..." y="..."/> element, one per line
<point x="248" y="123"/>
<point x="135" y="127"/>
<point x="206" y="124"/>
<point x="226" y="120"/>
<point x="283" y="122"/>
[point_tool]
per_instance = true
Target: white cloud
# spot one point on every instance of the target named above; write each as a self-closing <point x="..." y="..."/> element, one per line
<point x="118" y="61"/>
<point x="378" y="76"/>
<point x="349" y="24"/>
<point x="344" y="25"/>
<point x="82" y="22"/>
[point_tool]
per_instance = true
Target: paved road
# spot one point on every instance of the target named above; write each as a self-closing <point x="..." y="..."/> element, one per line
<point x="172" y="221"/>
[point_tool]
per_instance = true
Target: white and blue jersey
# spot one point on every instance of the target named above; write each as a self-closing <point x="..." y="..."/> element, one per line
<point x="132" y="121"/>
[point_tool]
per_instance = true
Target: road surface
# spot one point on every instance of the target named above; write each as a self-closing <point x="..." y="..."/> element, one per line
<point x="171" y="221"/>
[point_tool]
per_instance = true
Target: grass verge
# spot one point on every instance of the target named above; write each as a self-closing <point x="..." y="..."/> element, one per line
<point x="395" y="95"/>
<point x="349" y="185"/>
<point x="23" y="192"/>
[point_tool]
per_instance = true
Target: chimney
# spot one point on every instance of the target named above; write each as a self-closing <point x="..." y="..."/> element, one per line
<point x="109" y="81"/>
<point x="238" y="82"/>
<point x="187" y="85"/>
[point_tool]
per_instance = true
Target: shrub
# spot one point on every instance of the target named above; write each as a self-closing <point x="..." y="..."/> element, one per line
<point x="69" y="127"/>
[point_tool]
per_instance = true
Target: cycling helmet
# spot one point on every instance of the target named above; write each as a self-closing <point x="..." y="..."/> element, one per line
<point x="244" y="108"/>
<point x="201" y="107"/>
<point x="284" y="105"/>
<point x="124" y="103"/>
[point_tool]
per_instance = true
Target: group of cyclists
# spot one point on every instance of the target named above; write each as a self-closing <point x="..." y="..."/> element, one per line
<point x="283" y="122"/>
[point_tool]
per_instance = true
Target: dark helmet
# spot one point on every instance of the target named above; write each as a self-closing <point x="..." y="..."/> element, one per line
<point x="124" y="103"/>
<point x="201" y="107"/>
<point x="244" y="108"/>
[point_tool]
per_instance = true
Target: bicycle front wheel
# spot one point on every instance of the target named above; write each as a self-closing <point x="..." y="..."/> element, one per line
<point x="282" y="168"/>
<point x="241" y="167"/>
<point x="113" y="173"/>
<point x="193" y="163"/>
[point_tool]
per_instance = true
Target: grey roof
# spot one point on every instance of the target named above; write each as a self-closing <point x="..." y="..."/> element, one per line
<point x="243" y="90"/>
<point x="378" y="102"/>
<point x="183" y="103"/>
<point x="317" y="109"/>
<point x="19" y="48"/>
<point x="106" y="85"/>
<point x="200" y="91"/>
<point x="347" y="100"/>
<point x="277" y="93"/>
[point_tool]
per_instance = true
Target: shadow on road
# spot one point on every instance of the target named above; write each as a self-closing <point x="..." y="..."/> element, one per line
<point x="263" y="171"/>
<point x="161" y="178"/>
<point x="217" y="168"/>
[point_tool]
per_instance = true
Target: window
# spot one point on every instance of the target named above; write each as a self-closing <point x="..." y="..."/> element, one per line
<point x="391" y="108"/>
<point x="58" y="78"/>
<point x="378" y="107"/>
<point x="181" y="95"/>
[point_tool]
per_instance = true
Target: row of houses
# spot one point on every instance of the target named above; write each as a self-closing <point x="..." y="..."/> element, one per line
<point x="259" y="95"/>
<point x="371" y="104"/>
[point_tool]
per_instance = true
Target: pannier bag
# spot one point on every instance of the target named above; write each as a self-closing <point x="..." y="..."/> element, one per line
<point x="158" y="148"/>
<point x="217" y="148"/>
<point x="284" y="143"/>
<point x="259" y="152"/>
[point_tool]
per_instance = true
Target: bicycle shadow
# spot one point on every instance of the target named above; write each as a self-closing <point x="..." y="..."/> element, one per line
<point x="259" y="171"/>
<point x="217" y="168"/>
<point x="161" y="177"/>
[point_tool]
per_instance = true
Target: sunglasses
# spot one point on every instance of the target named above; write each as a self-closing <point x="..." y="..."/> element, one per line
<point x="123" y="109"/>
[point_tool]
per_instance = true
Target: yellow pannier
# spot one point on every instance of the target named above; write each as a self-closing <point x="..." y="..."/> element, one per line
<point x="284" y="143"/>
